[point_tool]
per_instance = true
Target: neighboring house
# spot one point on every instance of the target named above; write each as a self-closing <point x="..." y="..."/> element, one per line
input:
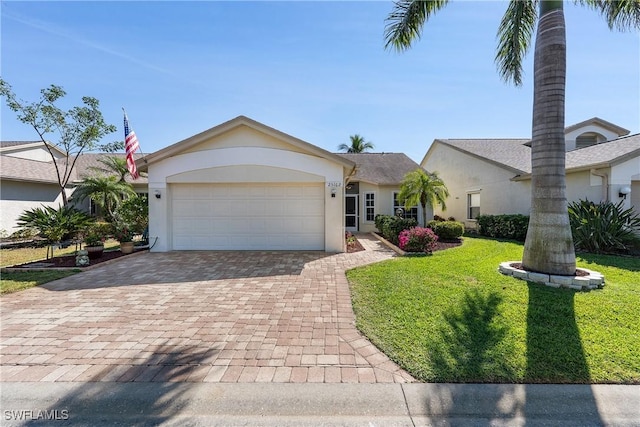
<point x="374" y="189"/>
<point x="493" y="176"/>
<point x="28" y="179"/>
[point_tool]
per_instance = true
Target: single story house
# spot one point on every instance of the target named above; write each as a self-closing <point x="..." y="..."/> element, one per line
<point x="243" y="185"/>
<point x="28" y="179"/>
<point x="493" y="176"/>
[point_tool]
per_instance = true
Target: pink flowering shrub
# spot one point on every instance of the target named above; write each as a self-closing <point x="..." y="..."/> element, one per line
<point x="418" y="239"/>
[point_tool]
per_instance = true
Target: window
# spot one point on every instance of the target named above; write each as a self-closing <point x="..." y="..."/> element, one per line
<point x="473" y="205"/>
<point x="411" y="213"/>
<point x="369" y="206"/>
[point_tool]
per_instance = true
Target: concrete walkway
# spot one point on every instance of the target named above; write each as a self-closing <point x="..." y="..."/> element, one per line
<point x="196" y="317"/>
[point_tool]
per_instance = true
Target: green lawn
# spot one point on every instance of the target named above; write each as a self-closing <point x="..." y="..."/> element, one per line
<point x="451" y="317"/>
<point x="13" y="282"/>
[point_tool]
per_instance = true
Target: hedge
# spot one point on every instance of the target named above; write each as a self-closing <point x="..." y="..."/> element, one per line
<point x="391" y="226"/>
<point x="512" y="227"/>
<point x="447" y="230"/>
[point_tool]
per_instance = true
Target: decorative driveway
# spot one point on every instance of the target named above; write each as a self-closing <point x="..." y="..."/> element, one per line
<point x="196" y="317"/>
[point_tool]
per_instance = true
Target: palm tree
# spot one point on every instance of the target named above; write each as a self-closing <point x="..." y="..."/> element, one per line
<point x="424" y="188"/>
<point x="112" y="165"/>
<point x="549" y="244"/>
<point x="106" y="191"/>
<point x="358" y="145"/>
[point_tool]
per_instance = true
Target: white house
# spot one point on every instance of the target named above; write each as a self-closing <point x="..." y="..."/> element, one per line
<point x="243" y="185"/>
<point x="493" y="176"/>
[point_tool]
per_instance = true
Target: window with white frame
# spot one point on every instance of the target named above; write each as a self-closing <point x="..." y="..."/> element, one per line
<point x="410" y="213"/>
<point x="369" y="206"/>
<point x="473" y="205"/>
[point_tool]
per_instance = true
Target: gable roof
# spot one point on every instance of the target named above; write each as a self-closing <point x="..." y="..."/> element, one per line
<point x="605" y="154"/>
<point x="229" y="125"/>
<point x="21" y="169"/>
<point x="5" y="144"/>
<point x="17" y="146"/>
<point x="620" y="131"/>
<point x="512" y="154"/>
<point x="380" y="168"/>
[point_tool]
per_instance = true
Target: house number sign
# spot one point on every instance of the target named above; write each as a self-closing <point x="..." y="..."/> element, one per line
<point x="334" y="184"/>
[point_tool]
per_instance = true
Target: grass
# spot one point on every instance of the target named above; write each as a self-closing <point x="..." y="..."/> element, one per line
<point x="17" y="281"/>
<point x="13" y="282"/>
<point x="451" y="317"/>
<point x="16" y="256"/>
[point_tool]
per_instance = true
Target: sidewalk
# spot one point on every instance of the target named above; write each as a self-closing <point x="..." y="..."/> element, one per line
<point x="181" y="404"/>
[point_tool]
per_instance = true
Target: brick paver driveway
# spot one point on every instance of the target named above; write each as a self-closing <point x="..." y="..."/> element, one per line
<point x="196" y="317"/>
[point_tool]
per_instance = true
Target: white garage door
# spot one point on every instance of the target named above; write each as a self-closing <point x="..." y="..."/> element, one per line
<point x="248" y="216"/>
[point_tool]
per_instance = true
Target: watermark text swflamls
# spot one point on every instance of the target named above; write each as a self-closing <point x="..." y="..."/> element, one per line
<point x="36" y="415"/>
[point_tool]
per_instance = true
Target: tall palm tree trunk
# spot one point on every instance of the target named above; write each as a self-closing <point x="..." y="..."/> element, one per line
<point x="549" y="243"/>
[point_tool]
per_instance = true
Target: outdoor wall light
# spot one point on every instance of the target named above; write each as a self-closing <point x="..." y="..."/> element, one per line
<point x="333" y="192"/>
<point x="158" y="195"/>
<point x="624" y="191"/>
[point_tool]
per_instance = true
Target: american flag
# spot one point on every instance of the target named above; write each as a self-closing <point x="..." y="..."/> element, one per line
<point x="131" y="146"/>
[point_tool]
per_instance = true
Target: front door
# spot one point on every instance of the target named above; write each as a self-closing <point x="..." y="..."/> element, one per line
<point x="351" y="212"/>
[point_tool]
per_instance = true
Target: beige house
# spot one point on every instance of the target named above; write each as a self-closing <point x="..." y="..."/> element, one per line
<point x="28" y="179"/>
<point x="493" y="176"/>
<point x="374" y="189"/>
<point x="243" y="185"/>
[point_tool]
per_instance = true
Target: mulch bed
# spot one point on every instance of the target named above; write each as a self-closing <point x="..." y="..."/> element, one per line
<point x="70" y="260"/>
<point x="447" y="244"/>
<point x="354" y="246"/>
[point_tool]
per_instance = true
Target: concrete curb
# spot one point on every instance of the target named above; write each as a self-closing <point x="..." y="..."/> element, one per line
<point x="271" y="404"/>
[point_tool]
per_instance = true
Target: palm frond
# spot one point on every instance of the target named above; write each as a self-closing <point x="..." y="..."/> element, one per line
<point x="514" y="38"/>
<point x="404" y="23"/>
<point x="622" y="14"/>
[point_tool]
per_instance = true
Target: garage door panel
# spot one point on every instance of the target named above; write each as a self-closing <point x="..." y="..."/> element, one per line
<point x="248" y="216"/>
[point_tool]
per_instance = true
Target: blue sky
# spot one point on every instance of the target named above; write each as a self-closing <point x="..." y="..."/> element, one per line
<point x="315" y="70"/>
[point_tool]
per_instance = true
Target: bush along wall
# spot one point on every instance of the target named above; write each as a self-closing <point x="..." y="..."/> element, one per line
<point x="390" y="226"/>
<point x="447" y="230"/>
<point x="512" y="227"/>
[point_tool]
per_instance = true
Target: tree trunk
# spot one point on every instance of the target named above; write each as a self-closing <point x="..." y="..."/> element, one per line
<point x="549" y="244"/>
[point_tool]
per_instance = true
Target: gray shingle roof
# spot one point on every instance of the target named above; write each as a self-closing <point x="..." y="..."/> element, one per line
<point x="381" y="168"/>
<point x="4" y="144"/>
<point x="515" y="155"/>
<point x="15" y="168"/>
<point x="607" y="152"/>
<point x="511" y="153"/>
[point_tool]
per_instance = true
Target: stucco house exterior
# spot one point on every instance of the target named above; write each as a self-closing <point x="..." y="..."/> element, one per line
<point x="374" y="189"/>
<point x="28" y="179"/>
<point x="243" y="185"/>
<point x="493" y="176"/>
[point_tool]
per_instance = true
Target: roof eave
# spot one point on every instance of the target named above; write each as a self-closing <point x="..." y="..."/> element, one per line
<point x="192" y="141"/>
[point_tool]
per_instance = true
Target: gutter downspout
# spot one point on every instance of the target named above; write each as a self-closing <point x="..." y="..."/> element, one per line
<point x="605" y="183"/>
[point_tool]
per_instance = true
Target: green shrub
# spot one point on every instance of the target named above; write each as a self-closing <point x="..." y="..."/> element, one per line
<point x="134" y="213"/>
<point x="603" y="227"/>
<point x="391" y="226"/>
<point x="512" y="227"/>
<point x="447" y="230"/>
<point x="55" y="225"/>
<point x="417" y="239"/>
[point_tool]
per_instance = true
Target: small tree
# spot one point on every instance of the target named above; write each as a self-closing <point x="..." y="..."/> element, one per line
<point x="79" y="129"/>
<point x="106" y="191"/>
<point x="112" y="165"/>
<point x="424" y="188"/>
